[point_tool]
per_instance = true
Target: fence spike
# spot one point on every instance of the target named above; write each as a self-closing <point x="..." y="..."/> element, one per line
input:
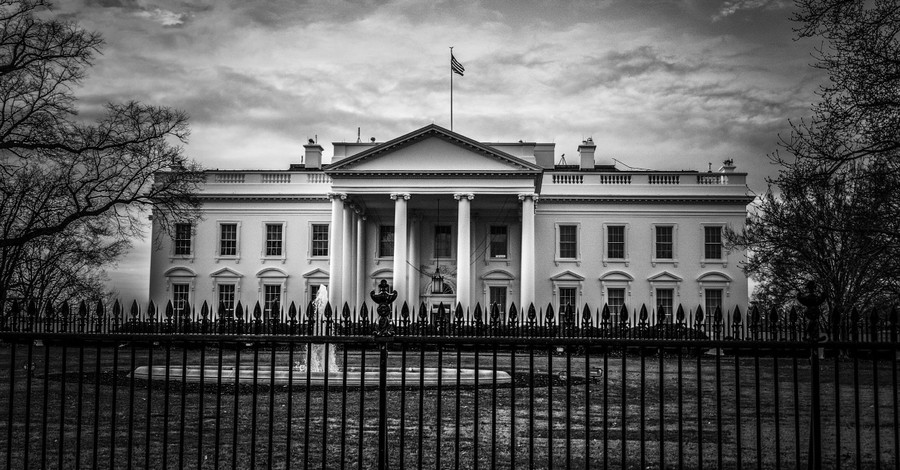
<point x="423" y="314"/>
<point x="717" y="316"/>
<point x="495" y="313"/>
<point x="170" y="310"/>
<point x="135" y="310"/>
<point x="586" y="316"/>
<point x="532" y="313"/>
<point x="737" y="317"/>
<point x="404" y="311"/>
<point x="117" y="311"/>
<point x="550" y="313"/>
<point x="679" y="314"/>
<point x="699" y="315"/>
<point x="239" y="312"/>
<point x="643" y="314"/>
<point x="82" y="310"/>
<point x="48" y="310"/>
<point x="623" y="314"/>
<point x="513" y="313"/>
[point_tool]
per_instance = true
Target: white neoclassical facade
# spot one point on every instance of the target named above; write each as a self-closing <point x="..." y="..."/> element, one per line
<point x="444" y="218"/>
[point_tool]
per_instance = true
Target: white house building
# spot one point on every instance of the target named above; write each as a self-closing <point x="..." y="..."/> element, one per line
<point x="444" y="218"/>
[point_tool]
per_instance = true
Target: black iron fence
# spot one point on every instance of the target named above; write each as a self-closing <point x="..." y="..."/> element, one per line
<point x="110" y="387"/>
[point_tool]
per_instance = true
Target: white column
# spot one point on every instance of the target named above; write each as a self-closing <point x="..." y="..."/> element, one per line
<point x="414" y="275"/>
<point x="361" y="259"/>
<point x="335" y="247"/>
<point x="400" y="246"/>
<point x="464" y="250"/>
<point x="527" y="275"/>
<point x="347" y="270"/>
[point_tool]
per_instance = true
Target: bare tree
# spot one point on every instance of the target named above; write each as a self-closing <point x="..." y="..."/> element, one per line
<point x="60" y="174"/>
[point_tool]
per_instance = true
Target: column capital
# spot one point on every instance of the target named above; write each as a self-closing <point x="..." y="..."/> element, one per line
<point x="533" y="196"/>
<point x="395" y="196"/>
<point x="333" y="195"/>
<point x="459" y="196"/>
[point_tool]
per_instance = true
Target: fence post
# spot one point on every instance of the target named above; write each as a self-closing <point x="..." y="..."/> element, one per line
<point x="384" y="334"/>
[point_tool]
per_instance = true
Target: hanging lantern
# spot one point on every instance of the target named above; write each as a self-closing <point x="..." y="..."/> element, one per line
<point x="437" y="282"/>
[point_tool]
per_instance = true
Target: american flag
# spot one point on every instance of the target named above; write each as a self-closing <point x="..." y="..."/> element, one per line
<point x="456" y="66"/>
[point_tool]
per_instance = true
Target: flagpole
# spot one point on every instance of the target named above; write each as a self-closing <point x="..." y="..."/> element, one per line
<point x="451" y="90"/>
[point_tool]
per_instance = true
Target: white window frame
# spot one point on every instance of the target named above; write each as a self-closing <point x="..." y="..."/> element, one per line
<point x="674" y="259"/>
<point x="568" y="279"/>
<point x="218" y="294"/>
<point x="316" y="277"/>
<point x="615" y="317"/>
<point x="270" y="276"/>
<point x="262" y="298"/>
<point x="707" y="314"/>
<point x="723" y="261"/>
<point x="674" y="307"/>
<point x="606" y="260"/>
<point x="310" y="248"/>
<point x="498" y="278"/>
<point x="673" y="282"/>
<point x="237" y="236"/>
<point x="180" y="275"/>
<point x="265" y="240"/>
<point x="193" y="242"/>
<point x="578" y="243"/>
<point x="189" y="288"/>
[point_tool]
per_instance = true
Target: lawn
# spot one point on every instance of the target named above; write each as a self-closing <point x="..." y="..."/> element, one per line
<point x="711" y="411"/>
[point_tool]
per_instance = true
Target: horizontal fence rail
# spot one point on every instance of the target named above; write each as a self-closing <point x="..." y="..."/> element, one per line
<point x="94" y="386"/>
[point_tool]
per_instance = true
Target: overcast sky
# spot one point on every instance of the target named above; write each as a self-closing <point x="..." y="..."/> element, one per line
<point x="664" y="85"/>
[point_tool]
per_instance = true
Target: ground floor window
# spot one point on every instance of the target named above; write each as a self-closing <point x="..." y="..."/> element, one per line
<point x="567" y="296"/>
<point x="271" y="300"/>
<point x="713" y="303"/>
<point x="180" y="297"/>
<point x="615" y="299"/>
<point x="497" y="295"/>
<point x="226" y="299"/>
<point x="664" y="300"/>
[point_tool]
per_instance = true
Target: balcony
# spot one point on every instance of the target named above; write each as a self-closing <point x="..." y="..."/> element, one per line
<point x="637" y="184"/>
<point x="261" y="183"/>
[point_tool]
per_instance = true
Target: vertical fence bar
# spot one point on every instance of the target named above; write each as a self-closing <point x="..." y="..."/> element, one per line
<point x="662" y="412"/>
<point x="62" y="409"/>
<point x="549" y="407"/>
<point x="402" y="450"/>
<point x="79" y="407"/>
<point x="776" y="405"/>
<point x="857" y="406"/>
<point x="699" y="410"/>
<point x="606" y="406"/>
<point x="29" y="375"/>
<point x="837" y="410"/>
<point x="165" y="426"/>
<point x="290" y="403"/>
<point x="796" y="384"/>
<point x="201" y="395"/>
<point x="457" y="426"/>
<point x="494" y="409"/>
<point x="13" y="346"/>
<point x="876" y="408"/>
<point x="254" y="404"/>
<point x="624" y="407"/>
<point x="149" y="417"/>
<point x="587" y="409"/>
<point x="218" y="420"/>
<point x="530" y="405"/>
<point x="362" y="407"/>
<point x="182" y="424"/>
<point x="45" y="406"/>
<point x="270" y="447"/>
<point x="756" y="389"/>
<point x="738" y="424"/>
<point x="235" y="422"/>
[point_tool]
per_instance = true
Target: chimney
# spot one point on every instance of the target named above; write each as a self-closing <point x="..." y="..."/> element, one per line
<point x="586" y="150"/>
<point x="313" y="157"/>
<point x="727" y="166"/>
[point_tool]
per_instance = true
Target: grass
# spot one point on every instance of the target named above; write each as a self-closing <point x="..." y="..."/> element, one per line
<point x="718" y="411"/>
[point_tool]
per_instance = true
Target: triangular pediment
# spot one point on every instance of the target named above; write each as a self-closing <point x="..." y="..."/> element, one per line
<point x="226" y="272"/>
<point x="432" y="150"/>
<point x="567" y="276"/>
<point x="316" y="273"/>
<point x="664" y="276"/>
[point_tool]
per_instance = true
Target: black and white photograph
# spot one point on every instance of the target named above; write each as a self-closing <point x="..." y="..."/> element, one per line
<point x="497" y="234"/>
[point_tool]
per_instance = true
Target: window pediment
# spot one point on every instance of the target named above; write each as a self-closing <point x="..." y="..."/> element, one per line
<point x="567" y="276"/>
<point x="180" y="271"/>
<point x="226" y="272"/>
<point x="272" y="272"/>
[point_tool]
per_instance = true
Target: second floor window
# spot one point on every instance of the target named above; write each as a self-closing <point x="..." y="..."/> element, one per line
<point x="320" y="240"/>
<point x="228" y="240"/>
<point x="499" y="237"/>
<point x="615" y="242"/>
<point x="568" y="241"/>
<point x="183" y="239"/>
<point x="442" y="241"/>
<point x="274" y="241"/>
<point x="385" y="241"/>
<point x="712" y="246"/>
<point x="664" y="242"/>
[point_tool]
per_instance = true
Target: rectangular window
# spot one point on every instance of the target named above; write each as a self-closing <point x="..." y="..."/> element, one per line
<point x="713" y="302"/>
<point x="442" y="241"/>
<point x="499" y="238"/>
<point x="319" y="240"/>
<point x="712" y="237"/>
<point x="615" y="300"/>
<point x="183" y="239"/>
<point x="180" y="296"/>
<point x="665" y="242"/>
<point x="615" y="242"/>
<point x="314" y="291"/>
<point x="274" y="241"/>
<point x="664" y="300"/>
<point x="272" y="300"/>
<point x="385" y="241"/>
<point x="568" y="241"/>
<point x="498" y="296"/>
<point x="228" y="240"/>
<point x="226" y="298"/>
<point x="566" y="297"/>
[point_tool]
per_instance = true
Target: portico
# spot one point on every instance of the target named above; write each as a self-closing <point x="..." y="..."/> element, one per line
<point x="440" y="210"/>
